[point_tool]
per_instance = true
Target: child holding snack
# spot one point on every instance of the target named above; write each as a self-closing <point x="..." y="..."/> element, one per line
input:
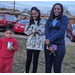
<point x="8" y="46"/>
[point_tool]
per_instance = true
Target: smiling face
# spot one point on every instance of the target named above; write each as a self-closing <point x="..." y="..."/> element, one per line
<point x="34" y="14"/>
<point x="57" y="10"/>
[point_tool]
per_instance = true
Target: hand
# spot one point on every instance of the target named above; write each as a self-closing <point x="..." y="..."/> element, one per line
<point x="47" y="41"/>
<point x="11" y="48"/>
<point x="51" y="49"/>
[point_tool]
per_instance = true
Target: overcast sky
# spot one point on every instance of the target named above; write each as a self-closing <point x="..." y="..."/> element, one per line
<point x="44" y="6"/>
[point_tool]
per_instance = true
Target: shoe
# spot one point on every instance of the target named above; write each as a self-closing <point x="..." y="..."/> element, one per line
<point x="25" y="71"/>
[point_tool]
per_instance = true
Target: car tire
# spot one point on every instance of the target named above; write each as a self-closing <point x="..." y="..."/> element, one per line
<point x="71" y="38"/>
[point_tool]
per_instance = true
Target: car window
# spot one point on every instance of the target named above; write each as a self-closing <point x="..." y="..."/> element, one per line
<point x="22" y="21"/>
<point x="8" y="17"/>
<point x="12" y="18"/>
<point x="1" y="16"/>
<point x="15" y="19"/>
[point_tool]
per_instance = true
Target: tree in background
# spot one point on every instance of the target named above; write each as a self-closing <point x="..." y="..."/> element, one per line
<point x="9" y="9"/>
<point x="66" y="10"/>
<point x="25" y="10"/>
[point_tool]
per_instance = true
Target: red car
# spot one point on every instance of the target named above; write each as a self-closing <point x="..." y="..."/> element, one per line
<point x="70" y="32"/>
<point x="20" y="26"/>
<point x="6" y="19"/>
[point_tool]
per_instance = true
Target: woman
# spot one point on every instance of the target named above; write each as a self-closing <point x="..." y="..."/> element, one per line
<point x="35" y="28"/>
<point x="55" y="29"/>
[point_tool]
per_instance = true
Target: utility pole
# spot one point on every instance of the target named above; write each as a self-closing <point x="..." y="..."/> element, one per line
<point x="14" y="6"/>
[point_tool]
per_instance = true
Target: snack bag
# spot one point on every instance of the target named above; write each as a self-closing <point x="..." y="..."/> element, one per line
<point x="9" y="44"/>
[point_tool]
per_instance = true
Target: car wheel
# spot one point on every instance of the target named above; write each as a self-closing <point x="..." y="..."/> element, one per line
<point x="71" y="38"/>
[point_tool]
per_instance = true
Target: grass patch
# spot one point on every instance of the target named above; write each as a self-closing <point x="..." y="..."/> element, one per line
<point x="68" y="65"/>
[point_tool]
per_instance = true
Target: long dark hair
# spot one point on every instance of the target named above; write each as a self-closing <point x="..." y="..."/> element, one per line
<point x="31" y="18"/>
<point x="52" y="16"/>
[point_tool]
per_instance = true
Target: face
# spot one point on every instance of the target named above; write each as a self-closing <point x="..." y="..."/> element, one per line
<point x="9" y="34"/>
<point x="34" y="14"/>
<point x="57" y="10"/>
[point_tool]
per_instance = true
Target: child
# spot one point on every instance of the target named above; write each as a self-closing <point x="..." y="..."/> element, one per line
<point x="8" y="46"/>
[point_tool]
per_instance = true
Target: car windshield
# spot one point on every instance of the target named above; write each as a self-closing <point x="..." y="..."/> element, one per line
<point x="22" y="21"/>
<point x="1" y="17"/>
<point x="74" y="27"/>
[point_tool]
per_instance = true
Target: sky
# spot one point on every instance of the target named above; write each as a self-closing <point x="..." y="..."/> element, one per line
<point x="44" y="6"/>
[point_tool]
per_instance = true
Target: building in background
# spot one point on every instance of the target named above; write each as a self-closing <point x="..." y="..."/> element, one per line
<point x="70" y="17"/>
<point x="19" y="15"/>
<point x="45" y="16"/>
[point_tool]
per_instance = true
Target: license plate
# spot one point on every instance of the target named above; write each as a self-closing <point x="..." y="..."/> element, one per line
<point x="22" y="27"/>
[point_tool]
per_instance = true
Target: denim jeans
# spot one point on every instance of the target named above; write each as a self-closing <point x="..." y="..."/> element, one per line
<point x="56" y="61"/>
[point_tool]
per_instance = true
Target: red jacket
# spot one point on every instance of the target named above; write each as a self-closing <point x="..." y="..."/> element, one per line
<point x="4" y="52"/>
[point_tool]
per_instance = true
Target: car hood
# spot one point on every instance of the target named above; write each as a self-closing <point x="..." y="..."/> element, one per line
<point x="20" y="24"/>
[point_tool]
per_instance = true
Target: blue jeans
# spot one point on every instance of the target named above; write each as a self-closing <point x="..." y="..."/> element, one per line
<point x="56" y="61"/>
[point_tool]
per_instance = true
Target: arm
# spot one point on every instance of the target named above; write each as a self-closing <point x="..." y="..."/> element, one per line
<point x="41" y="28"/>
<point x="47" y="32"/>
<point x="62" y="30"/>
<point x="28" y="30"/>
<point x="15" y="45"/>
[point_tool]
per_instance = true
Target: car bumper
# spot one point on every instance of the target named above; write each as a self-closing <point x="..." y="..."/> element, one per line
<point x="2" y="27"/>
<point x="18" y="30"/>
<point x="73" y="37"/>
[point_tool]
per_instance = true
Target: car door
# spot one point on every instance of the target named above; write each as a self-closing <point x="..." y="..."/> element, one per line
<point x="2" y="19"/>
<point x="8" y="19"/>
<point x="15" y="20"/>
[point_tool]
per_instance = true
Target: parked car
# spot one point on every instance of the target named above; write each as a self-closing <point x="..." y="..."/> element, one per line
<point x="6" y="19"/>
<point x="70" y="32"/>
<point x="20" y="26"/>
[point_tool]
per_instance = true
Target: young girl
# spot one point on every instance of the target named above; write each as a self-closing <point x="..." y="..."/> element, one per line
<point x="8" y="46"/>
<point x="35" y="28"/>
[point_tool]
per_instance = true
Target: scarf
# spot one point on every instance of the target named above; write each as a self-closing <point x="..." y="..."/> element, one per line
<point x="54" y="22"/>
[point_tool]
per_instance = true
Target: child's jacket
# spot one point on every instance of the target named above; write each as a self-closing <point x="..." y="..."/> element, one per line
<point x="4" y="52"/>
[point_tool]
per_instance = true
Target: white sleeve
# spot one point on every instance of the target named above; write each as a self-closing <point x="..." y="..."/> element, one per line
<point x="28" y="30"/>
<point x="41" y="27"/>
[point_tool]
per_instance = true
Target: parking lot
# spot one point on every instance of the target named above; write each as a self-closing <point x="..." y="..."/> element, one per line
<point x="67" y="40"/>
